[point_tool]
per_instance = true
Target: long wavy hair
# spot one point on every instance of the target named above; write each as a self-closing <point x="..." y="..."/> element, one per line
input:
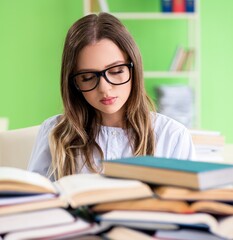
<point x="72" y="141"/>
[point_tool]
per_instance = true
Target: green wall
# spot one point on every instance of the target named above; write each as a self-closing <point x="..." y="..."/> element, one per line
<point x="32" y="35"/>
<point x="217" y="66"/>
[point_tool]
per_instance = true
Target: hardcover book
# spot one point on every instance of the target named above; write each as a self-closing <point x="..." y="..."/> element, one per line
<point x="164" y="171"/>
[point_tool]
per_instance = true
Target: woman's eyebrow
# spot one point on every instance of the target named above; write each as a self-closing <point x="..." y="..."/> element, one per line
<point x="106" y="66"/>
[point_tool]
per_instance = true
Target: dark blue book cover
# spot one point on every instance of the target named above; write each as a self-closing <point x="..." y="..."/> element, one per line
<point x="189" y="5"/>
<point x="166" y="5"/>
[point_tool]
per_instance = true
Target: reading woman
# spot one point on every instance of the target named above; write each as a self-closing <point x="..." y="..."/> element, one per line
<point x="107" y="113"/>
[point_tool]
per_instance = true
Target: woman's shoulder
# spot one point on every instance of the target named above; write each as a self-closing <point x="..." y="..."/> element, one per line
<point x="50" y="122"/>
<point x="161" y="122"/>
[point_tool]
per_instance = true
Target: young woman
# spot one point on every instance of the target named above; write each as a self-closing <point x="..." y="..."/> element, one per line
<point x="107" y="113"/>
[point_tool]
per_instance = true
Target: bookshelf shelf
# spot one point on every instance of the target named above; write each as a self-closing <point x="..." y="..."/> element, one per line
<point x="157" y="16"/>
<point x="193" y="42"/>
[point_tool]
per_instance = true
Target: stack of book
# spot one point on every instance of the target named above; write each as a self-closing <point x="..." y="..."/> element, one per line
<point x="33" y="207"/>
<point x="209" y="145"/>
<point x="177" y="102"/>
<point x="136" y="198"/>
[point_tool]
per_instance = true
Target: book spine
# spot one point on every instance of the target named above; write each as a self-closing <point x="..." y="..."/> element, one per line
<point x="178" y="6"/>
<point x="176" y="61"/>
<point x="189" y="5"/>
<point x="166" y="5"/>
<point x="189" y="61"/>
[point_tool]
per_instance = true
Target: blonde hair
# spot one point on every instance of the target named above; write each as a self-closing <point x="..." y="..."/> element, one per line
<point x="77" y="128"/>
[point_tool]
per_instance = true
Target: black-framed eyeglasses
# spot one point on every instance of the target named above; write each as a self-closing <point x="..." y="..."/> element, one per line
<point x="116" y="75"/>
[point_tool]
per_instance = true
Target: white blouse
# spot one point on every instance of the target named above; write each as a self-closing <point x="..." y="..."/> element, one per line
<point x="173" y="140"/>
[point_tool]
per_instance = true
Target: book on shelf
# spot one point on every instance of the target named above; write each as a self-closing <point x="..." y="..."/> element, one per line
<point x="178" y="6"/>
<point x="74" y="190"/>
<point x="166" y="6"/>
<point x="178" y="59"/>
<point x="183" y="59"/>
<point x="184" y="234"/>
<point x="188" y="63"/>
<point x="160" y="205"/>
<point x="221" y="227"/>
<point x="189" y="6"/>
<point x="164" y="171"/>
<point x="224" y="194"/>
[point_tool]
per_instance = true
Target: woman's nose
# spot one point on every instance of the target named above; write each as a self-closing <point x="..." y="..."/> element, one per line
<point x="104" y="85"/>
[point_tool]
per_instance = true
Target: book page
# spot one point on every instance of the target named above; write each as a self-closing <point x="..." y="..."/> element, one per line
<point x="184" y="234"/>
<point x="7" y="201"/>
<point x="10" y="176"/>
<point x="225" y="228"/>
<point x="79" y="183"/>
<point x="212" y="207"/>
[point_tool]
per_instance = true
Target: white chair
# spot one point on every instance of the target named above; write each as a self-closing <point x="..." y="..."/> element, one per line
<point x="4" y="122"/>
<point x="228" y="153"/>
<point x="16" y="146"/>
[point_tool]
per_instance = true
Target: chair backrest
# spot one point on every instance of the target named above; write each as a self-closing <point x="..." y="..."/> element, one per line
<point x="16" y="146"/>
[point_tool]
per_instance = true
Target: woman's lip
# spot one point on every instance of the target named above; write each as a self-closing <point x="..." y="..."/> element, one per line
<point x="108" y="100"/>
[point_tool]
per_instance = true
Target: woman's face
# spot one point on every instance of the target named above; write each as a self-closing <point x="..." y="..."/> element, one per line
<point x="108" y="99"/>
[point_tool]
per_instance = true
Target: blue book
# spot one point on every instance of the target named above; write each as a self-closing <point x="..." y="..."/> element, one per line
<point x="164" y="171"/>
<point x="166" y="5"/>
<point x="189" y="5"/>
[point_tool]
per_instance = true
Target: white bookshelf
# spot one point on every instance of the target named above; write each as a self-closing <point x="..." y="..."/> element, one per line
<point x="193" y="20"/>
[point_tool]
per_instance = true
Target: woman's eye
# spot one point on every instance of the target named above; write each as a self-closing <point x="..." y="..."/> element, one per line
<point x="115" y="71"/>
<point x="86" y="78"/>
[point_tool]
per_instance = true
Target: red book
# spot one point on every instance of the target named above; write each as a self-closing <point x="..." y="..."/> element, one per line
<point x="178" y="6"/>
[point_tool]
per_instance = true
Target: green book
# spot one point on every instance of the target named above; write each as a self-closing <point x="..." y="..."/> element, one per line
<point x="164" y="171"/>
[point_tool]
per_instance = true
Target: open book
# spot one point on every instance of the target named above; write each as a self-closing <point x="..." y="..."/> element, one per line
<point x="35" y="219"/>
<point x="221" y="227"/>
<point x="73" y="190"/>
<point x="71" y="230"/>
<point x="153" y="204"/>
<point x="119" y="233"/>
